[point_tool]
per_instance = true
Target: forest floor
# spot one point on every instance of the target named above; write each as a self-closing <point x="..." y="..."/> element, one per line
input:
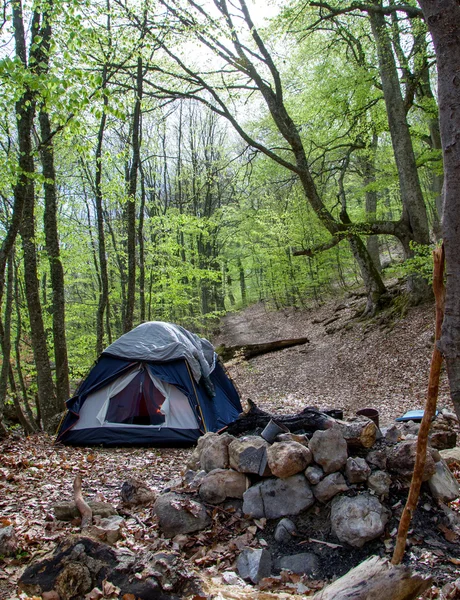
<point x="360" y="364"/>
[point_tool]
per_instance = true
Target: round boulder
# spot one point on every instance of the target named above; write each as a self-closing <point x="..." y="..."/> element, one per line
<point x="358" y="520"/>
<point x="288" y="458"/>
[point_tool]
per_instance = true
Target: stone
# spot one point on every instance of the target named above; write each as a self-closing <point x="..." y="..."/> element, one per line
<point x="67" y="511"/>
<point x="443" y="484"/>
<point x="357" y="470"/>
<point x="214" y="453"/>
<point x="8" y="541"/>
<point x="305" y="563"/>
<point x="443" y="440"/>
<point x="377" y="458"/>
<point x="193" y="462"/>
<point x="379" y="482"/>
<point x="293" y="437"/>
<point x="358" y="520"/>
<point x="391" y="434"/>
<point x="329" y="449"/>
<point x="314" y="474"/>
<point x="254" y="564"/>
<point x="108" y="529"/>
<point x="196" y="480"/>
<point x="285" y="530"/>
<point x="249" y="455"/>
<point x="179" y="514"/>
<point x="220" y="484"/>
<point x="401" y="461"/>
<point x="275" y="498"/>
<point x="329" y="487"/>
<point x="451" y="456"/>
<point x="288" y="458"/>
<point x="135" y="493"/>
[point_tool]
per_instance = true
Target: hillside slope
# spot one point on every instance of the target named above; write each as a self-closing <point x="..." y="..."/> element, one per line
<point x="356" y="365"/>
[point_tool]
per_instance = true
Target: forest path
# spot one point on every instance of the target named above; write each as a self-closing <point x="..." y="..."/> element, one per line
<point x="361" y="364"/>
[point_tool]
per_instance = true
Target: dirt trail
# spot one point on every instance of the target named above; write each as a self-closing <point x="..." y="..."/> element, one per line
<point x="358" y="365"/>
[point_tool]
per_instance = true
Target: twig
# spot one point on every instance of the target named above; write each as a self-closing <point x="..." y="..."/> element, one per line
<point x="83" y="507"/>
<point x="430" y="410"/>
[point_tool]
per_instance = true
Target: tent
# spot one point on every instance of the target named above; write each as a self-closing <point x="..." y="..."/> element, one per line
<point x="156" y="385"/>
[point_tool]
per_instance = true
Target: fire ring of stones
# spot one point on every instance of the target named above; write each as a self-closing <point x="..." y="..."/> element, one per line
<point x="344" y="466"/>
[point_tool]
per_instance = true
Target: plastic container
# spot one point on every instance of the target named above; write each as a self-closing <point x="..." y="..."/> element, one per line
<point x="272" y="430"/>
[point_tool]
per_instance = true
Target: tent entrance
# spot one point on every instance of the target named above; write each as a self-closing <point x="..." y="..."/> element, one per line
<point x="139" y="403"/>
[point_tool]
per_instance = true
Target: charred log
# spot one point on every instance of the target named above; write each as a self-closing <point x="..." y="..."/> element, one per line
<point x="309" y="420"/>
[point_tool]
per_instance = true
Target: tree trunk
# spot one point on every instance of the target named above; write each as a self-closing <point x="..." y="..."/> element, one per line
<point x="102" y="306"/>
<point x="131" y="203"/>
<point x="25" y="111"/>
<point x="56" y="269"/>
<point x="443" y="19"/>
<point x="5" y="338"/>
<point x="414" y="211"/>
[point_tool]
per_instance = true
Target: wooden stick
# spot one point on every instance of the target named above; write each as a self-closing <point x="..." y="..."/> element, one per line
<point x="430" y="410"/>
<point x="376" y="578"/>
<point x="83" y="507"/>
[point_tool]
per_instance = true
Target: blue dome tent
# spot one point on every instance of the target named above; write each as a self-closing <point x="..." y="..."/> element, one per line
<point x="156" y="385"/>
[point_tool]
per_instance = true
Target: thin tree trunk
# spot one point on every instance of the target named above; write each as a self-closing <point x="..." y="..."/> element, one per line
<point x="443" y="19"/>
<point x="104" y="290"/>
<point x="56" y="269"/>
<point x="131" y="203"/>
<point x="5" y="337"/>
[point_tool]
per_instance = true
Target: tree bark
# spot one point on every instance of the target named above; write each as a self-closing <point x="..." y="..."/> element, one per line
<point x="131" y="203"/>
<point x="252" y="350"/>
<point x="53" y="251"/>
<point x="414" y="211"/>
<point x="102" y="306"/>
<point x="376" y="578"/>
<point x="443" y="19"/>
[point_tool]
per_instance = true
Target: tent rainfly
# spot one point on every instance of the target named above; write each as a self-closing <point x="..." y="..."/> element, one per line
<point x="157" y="385"/>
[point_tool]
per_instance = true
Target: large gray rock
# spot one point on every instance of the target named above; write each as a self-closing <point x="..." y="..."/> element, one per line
<point x="179" y="514"/>
<point x="220" y="484"/>
<point x="305" y="563"/>
<point x="401" y="461"/>
<point x="357" y="470"/>
<point x="249" y="455"/>
<point x="254" y="564"/>
<point x="329" y="487"/>
<point x="275" y="498"/>
<point x="358" y="520"/>
<point x="214" y="452"/>
<point x="8" y="541"/>
<point x="285" y="530"/>
<point x="377" y="458"/>
<point x="379" y="482"/>
<point x="329" y="449"/>
<point x="288" y="458"/>
<point x="443" y="484"/>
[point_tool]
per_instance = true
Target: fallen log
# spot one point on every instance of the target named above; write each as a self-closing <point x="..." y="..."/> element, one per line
<point x="251" y="350"/>
<point x="309" y="420"/>
<point x="376" y="577"/>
